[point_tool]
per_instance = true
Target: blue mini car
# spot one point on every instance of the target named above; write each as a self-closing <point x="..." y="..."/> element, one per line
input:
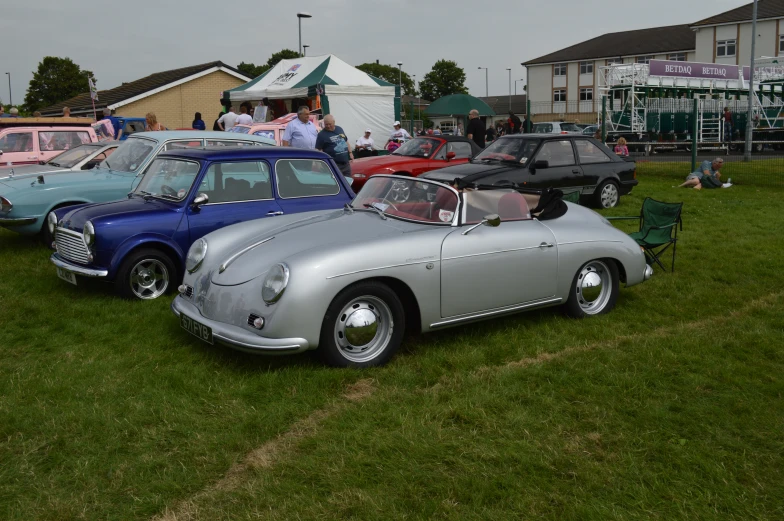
<point x="140" y="242"/>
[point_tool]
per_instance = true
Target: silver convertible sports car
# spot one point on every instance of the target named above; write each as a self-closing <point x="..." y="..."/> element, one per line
<point x="349" y="283"/>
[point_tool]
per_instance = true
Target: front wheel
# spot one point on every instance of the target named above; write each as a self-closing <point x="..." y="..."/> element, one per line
<point x="607" y="195"/>
<point x="363" y="326"/>
<point x="146" y="275"/>
<point x="594" y="289"/>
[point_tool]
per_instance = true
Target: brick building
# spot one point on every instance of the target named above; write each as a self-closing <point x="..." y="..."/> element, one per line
<point x="174" y="96"/>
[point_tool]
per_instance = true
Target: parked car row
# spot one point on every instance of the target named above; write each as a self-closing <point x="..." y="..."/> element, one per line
<point x="271" y="250"/>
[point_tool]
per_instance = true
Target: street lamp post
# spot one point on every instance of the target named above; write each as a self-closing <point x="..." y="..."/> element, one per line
<point x="300" y="16"/>
<point x="486" y="84"/>
<point x="10" y="96"/>
<point x="400" y="84"/>
<point x="750" y="117"/>
<point x="510" y="88"/>
<point x="419" y="100"/>
<point x="305" y="50"/>
<point x="516" y="85"/>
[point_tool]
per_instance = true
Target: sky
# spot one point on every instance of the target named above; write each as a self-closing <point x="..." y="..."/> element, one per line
<point x="123" y="41"/>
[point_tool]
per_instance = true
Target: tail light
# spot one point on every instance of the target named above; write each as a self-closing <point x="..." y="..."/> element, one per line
<point x="634" y="174"/>
<point x="564" y="132"/>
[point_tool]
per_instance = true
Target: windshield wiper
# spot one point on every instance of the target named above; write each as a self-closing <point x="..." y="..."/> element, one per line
<point x="167" y="196"/>
<point x="378" y="210"/>
<point x="146" y="195"/>
<point x="54" y="164"/>
<point x="348" y="207"/>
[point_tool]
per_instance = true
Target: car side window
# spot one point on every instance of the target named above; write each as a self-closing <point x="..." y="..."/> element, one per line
<point x="179" y="145"/>
<point x="461" y="150"/>
<point x="133" y="126"/>
<point x="61" y="140"/>
<point x="557" y="153"/>
<point x="17" y="142"/>
<point x="589" y="152"/>
<point x="227" y="143"/>
<point x="305" y="178"/>
<point x="237" y="182"/>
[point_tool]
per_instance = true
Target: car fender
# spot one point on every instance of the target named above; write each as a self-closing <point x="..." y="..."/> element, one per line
<point x="148" y="240"/>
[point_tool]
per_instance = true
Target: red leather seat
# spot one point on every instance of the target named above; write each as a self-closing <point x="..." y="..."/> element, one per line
<point x="513" y="207"/>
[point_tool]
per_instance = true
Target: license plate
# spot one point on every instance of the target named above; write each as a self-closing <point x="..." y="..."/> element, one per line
<point x="196" y="329"/>
<point x="66" y="276"/>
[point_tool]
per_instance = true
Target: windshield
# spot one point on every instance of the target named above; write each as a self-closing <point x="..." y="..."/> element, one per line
<point x="239" y="129"/>
<point x="509" y="149"/>
<point x="409" y="199"/>
<point x="569" y="127"/>
<point x="419" y="147"/>
<point x="70" y="158"/>
<point x="168" y="178"/>
<point x="130" y="155"/>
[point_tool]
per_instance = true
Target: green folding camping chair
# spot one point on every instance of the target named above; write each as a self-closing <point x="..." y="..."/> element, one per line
<point x="572" y="197"/>
<point x="659" y="223"/>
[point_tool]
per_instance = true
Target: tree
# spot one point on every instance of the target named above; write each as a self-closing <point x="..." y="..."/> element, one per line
<point x="252" y="70"/>
<point x="285" y="54"/>
<point x="56" y="80"/>
<point x="444" y="78"/>
<point x="391" y="74"/>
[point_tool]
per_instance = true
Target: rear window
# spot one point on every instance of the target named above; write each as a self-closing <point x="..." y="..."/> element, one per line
<point x="543" y="128"/>
<point x="570" y="127"/>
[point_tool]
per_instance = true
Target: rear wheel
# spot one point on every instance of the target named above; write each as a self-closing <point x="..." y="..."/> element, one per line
<point x="363" y="326"/>
<point x="607" y="194"/>
<point x="594" y="289"/>
<point x="146" y="275"/>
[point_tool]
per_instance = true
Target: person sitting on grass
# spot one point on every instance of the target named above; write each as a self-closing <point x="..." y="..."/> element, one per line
<point x="708" y="175"/>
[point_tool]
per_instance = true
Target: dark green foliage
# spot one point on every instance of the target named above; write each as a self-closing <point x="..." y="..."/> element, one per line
<point x="444" y="78"/>
<point x="56" y="80"/>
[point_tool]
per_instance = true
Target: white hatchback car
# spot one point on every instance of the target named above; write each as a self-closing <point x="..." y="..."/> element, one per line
<point x="555" y="127"/>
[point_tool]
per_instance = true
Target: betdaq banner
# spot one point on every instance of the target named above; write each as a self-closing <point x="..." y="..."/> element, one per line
<point x="712" y="71"/>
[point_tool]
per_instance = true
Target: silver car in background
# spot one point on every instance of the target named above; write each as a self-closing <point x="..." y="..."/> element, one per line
<point x="555" y="127"/>
<point x="406" y="254"/>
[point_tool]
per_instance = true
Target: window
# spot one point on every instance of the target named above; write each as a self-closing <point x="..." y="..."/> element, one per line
<point x="168" y="178"/>
<point x="726" y="48"/>
<point x="543" y="128"/>
<point x="590" y="153"/>
<point x="17" y="142"/>
<point x="180" y="145"/>
<point x="461" y="150"/>
<point x="643" y="59"/>
<point x="586" y="94"/>
<point x="508" y="204"/>
<point x="130" y="155"/>
<point x="557" y="153"/>
<point x="586" y="67"/>
<point x="61" y="140"/>
<point x="781" y="43"/>
<point x="304" y="178"/>
<point x="226" y="143"/>
<point x="559" y="95"/>
<point x="97" y="159"/>
<point x="615" y="61"/>
<point x="559" y="69"/>
<point x="677" y="57"/>
<point x="618" y="94"/>
<point x="235" y="182"/>
<point x="132" y="126"/>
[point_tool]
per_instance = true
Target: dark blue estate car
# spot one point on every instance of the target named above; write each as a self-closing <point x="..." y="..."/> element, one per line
<point x="141" y="242"/>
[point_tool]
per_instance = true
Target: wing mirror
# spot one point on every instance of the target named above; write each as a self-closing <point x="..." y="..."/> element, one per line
<point x="200" y="200"/>
<point x="493" y="220"/>
<point x="541" y="164"/>
<point x="450" y="156"/>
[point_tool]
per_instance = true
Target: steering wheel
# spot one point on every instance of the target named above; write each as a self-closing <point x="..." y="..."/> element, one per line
<point x="390" y="204"/>
<point x="168" y="190"/>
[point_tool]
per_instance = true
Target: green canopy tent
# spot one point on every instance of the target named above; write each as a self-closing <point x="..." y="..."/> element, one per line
<point x="458" y="105"/>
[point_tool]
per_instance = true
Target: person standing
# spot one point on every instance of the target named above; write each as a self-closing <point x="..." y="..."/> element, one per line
<point x="727" y="124"/>
<point x="198" y="123"/>
<point x="514" y="123"/>
<point x="459" y="129"/>
<point x="365" y="142"/>
<point x="301" y="132"/>
<point x="216" y="125"/>
<point x="228" y="120"/>
<point x="244" y="118"/>
<point x="476" y="128"/>
<point x="333" y="142"/>
<point x="66" y="112"/>
<point x="107" y="114"/>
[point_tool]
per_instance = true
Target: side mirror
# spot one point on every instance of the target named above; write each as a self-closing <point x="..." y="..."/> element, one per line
<point x="200" y="200"/>
<point x="541" y="164"/>
<point x="492" y="220"/>
<point x="450" y="156"/>
<point x="1" y="152"/>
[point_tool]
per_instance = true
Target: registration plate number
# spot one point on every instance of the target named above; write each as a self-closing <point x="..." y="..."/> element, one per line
<point x="66" y="276"/>
<point x="196" y="329"/>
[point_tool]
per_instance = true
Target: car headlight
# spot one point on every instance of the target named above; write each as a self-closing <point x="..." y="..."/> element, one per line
<point x="275" y="283"/>
<point x="88" y="233"/>
<point x="51" y="222"/>
<point x="5" y="205"/>
<point x="196" y="255"/>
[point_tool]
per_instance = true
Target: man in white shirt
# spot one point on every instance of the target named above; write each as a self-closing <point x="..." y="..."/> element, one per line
<point x="244" y="118"/>
<point x="365" y="142"/>
<point x="400" y="135"/>
<point x="228" y="120"/>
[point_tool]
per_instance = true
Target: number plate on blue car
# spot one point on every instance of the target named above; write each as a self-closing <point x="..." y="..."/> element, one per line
<point x="195" y="328"/>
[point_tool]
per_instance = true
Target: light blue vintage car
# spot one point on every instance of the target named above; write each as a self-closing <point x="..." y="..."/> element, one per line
<point x="26" y="201"/>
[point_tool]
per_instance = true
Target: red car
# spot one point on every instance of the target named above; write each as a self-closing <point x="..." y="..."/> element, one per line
<point x="415" y="157"/>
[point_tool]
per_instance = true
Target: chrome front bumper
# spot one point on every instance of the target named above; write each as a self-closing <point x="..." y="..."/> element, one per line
<point x="75" y="268"/>
<point x="22" y="221"/>
<point x="648" y="272"/>
<point x="236" y="337"/>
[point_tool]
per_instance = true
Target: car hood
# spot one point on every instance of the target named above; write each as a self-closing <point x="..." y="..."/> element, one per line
<point x="320" y="231"/>
<point x="64" y="178"/>
<point x="450" y="173"/>
<point x="379" y="163"/>
<point x="108" y="213"/>
<point x="29" y="170"/>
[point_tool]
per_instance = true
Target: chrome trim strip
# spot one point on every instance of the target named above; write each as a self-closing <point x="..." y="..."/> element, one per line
<point x="87" y="272"/>
<point x="584" y="242"/>
<point x="234" y="257"/>
<point x="17" y="222"/>
<point x="433" y="260"/>
<point x="501" y="311"/>
<point x="492" y="253"/>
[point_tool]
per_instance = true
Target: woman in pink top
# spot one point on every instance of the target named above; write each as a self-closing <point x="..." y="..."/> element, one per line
<point x="620" y="148"/>
<point x="152" y="122"/>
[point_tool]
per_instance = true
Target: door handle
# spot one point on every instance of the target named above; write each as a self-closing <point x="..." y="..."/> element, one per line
<point x="34" y="157"/>
<point x="274" y="213"/>
<point x="546" y="245"/>
<point x="575" y="171"/>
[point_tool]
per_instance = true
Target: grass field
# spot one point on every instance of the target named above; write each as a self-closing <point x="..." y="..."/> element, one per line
<point x="669" y="408"/>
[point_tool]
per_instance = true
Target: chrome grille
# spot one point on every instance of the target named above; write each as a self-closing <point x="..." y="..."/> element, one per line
<point x="188" y="291"/>
<point x="252" y="318"/>
<point x="71" y="246"/>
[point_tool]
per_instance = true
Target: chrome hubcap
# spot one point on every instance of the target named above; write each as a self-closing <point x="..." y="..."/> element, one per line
<point x="594" y="285"/>
<point x="609" y="195"/>
<point x="149" y="279"/>
<point x="400" y="192"/>
<point x="363" y="329"/>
